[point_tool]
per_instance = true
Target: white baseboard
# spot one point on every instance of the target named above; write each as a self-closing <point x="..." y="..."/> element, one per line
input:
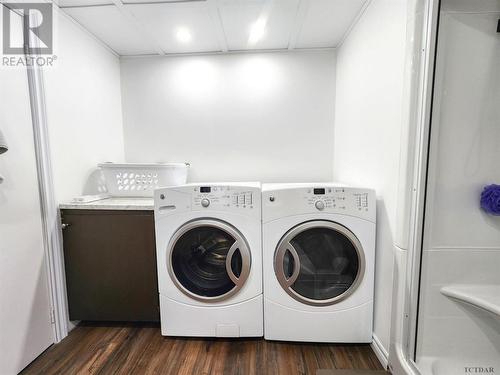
<point x="381" y="353"/>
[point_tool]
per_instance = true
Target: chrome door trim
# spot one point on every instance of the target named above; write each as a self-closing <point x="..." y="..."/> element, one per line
<point x="238" y="281"/>
<point x="240" y="244"/>
<point x="280" y="257"/>
<point x="285" y="245"/>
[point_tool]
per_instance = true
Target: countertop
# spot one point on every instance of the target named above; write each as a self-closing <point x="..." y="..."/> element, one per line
<point x="137" y="204"/>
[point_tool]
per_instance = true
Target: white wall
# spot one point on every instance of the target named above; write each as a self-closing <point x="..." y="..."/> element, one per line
<point x="266" y="117"/>
<point x="84" y="115"/>
<point x="368" y="124"/>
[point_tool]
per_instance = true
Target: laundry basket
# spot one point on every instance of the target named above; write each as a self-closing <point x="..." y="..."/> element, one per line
<point x="140" y="180"/>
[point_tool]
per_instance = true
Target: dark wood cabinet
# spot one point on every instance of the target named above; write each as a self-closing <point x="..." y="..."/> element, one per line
<point x="110" y="262"/>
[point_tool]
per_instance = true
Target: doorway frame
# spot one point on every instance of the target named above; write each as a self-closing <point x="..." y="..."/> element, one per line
<point x="50" y="216"/>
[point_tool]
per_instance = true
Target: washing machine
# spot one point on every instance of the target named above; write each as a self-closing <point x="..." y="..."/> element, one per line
<point x="209" y="258"/>
<point x="318" y="262"/>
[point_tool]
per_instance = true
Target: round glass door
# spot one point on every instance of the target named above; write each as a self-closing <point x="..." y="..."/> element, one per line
<point x="319" y="262"/>
<point x="209" y="260"/>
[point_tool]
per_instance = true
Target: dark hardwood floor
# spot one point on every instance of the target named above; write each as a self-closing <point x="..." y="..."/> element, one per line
<point x="140" y="349"/>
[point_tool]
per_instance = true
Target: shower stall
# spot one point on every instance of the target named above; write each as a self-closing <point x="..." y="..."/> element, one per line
<point x="451" y="315"/>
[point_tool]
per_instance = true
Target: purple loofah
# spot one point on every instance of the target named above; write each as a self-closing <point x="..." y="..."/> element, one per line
<point x="490" y="199"/>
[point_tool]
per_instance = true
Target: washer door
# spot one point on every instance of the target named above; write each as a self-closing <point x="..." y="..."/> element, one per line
<point x="319" y="263"/>
<point x="209" y="260"/>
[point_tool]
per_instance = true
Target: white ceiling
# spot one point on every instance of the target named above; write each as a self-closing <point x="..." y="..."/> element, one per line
<point x="139" y="27"/>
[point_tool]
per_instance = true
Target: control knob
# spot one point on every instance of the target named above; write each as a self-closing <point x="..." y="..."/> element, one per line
<point x="320" y="205"/>
<point x="205" y="202"/>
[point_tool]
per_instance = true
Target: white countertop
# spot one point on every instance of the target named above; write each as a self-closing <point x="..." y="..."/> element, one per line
<point x="138" y="204"/>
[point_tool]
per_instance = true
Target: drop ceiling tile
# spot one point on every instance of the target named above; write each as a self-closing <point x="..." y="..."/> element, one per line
<point x="78" y="3"/>
<point x="326" y="22"/>
<point x="165" y="20"/>
<point x="239" y="17"/>
<point x="114" y="28"/>
<point x="160" y="1"/>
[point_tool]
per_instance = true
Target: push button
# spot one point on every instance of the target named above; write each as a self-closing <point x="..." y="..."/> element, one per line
<point x="248" y="199"/>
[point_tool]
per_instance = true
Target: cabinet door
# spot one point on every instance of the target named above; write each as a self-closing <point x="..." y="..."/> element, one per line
<point x="110" y="260"/>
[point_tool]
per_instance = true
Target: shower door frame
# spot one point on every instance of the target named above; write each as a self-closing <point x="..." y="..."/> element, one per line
<point x="420" y="129"/>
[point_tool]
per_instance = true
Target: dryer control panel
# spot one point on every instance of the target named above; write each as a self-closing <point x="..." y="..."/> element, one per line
<point x="221" y="196"/>
<point x="279" y="201"/>
<point x="336" y="198"/>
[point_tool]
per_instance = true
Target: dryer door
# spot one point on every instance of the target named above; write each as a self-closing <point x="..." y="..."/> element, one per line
<point x="319" y="262"/>
<point x="209" y="260"/>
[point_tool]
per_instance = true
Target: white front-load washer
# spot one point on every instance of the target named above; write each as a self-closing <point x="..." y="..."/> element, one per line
<point x="209" y="258"/>
<point x="318" y="262"/>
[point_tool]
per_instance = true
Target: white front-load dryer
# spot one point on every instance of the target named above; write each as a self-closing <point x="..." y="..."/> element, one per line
<point x="318" y="261"/>
<point x="209" y="255"/>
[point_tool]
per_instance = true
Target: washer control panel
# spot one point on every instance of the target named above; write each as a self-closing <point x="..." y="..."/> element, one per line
<point x="224" y="197"/>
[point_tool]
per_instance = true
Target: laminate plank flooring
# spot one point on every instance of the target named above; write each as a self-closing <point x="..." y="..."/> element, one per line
<point x="95" y="348"/>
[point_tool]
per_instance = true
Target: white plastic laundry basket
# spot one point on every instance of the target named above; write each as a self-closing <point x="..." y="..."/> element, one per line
<point x="140" y="180"/>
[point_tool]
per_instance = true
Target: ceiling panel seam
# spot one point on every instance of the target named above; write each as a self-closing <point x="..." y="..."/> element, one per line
<point x="300" y="17"/>
<point x="219" y="27"/>
<point x="142" y="29"/>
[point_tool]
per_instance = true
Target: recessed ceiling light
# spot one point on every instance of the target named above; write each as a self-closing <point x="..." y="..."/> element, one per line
<point x="257" y="31"/>
<point x="183" y="35"/>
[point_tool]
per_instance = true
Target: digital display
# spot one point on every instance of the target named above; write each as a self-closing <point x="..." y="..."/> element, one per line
<point x="205" y="189"/>
<point x="319" y="191"/>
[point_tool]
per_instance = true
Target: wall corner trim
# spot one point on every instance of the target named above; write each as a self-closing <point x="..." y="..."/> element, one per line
<point x="379" y="350"/>
<point x="353" y="24"/>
